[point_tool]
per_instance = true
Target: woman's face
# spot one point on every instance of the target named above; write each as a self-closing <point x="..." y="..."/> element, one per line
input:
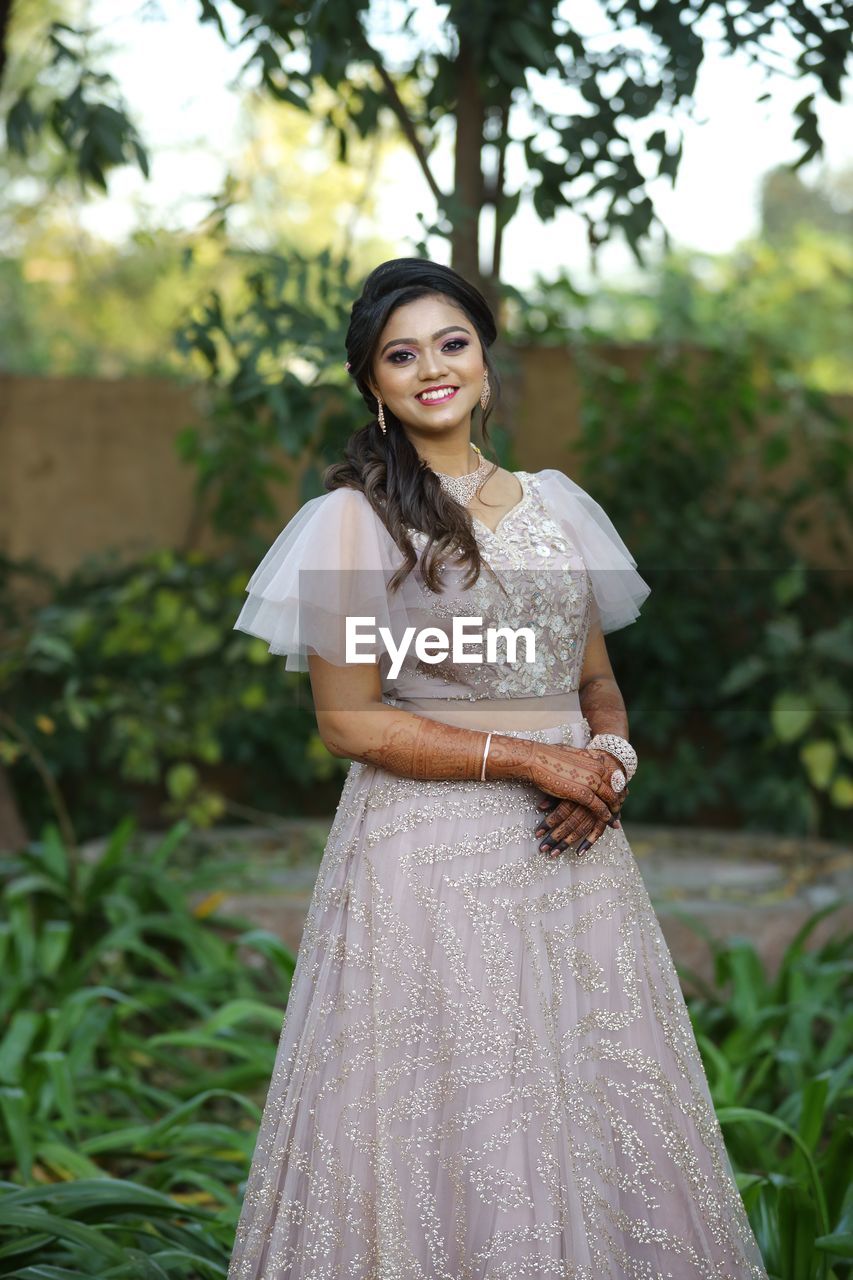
<point x="429" y="343"/>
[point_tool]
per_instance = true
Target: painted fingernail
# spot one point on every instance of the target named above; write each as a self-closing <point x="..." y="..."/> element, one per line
<point x="583" y="846"/>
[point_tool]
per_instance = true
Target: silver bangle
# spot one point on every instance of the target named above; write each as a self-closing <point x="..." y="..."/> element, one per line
<point x="618" y="747"/>
<point x="485" y="753"/>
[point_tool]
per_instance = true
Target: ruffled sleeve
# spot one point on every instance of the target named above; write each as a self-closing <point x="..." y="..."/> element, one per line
<point x="331" y="562"/>
<point x="618" y="589"/>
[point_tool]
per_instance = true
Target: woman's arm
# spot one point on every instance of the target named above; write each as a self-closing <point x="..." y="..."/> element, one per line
<point x="354" y="723"/>
<point x="601" y="701"/>
<point x="603" y="707"/>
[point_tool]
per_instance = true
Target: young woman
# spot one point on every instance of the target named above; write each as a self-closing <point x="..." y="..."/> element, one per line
<point x="487" y="1069"/>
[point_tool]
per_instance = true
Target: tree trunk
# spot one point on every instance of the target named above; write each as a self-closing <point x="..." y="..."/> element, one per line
<point x="468" y="166"/>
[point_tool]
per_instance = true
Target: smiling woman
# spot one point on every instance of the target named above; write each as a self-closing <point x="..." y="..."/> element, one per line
<point x="487" y="1068"/>
<point x="426" y="359"/>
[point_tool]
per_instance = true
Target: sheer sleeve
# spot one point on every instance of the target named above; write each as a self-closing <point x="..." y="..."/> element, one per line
<point x="331" y="562"/>
<point x="618" y="589"/>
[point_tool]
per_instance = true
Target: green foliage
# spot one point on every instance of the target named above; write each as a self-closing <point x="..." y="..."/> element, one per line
<point x="788" y="203"/>
<point x="737" y="627"/>
<point x="777" y="1052"/>
<point x="139" y="1038"/>
<point x="78" y="108"/>
<point x="136" y="1027"/>
<point x="481" y="57"/>
<point x="131" y="678"/>
<point x="276" y="368"/>
<point x="791" y="294"/>
<point x="71" y="305"/>
<point x="74" y="304"/>
<point x="803" y="677"/>
<point x="471" y="62"/>
<point x="715" y="464"/>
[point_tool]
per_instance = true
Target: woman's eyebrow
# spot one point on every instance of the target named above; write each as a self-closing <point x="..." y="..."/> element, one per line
<point x="414" y="342"/>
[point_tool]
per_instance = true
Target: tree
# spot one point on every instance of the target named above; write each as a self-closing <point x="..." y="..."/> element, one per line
<point x="53" y="92"/>
<point x="787" y="202"/>
<point x="489" y="63"/>
<point x="73" y="303"/>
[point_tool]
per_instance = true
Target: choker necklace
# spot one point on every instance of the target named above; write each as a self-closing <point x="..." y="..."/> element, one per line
<point x="463" y="488"/>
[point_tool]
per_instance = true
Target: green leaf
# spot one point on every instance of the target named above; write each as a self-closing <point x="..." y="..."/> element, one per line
<point x="16" y="1043"/>
<point x="819" y="757"/>
<point x="734" y="1115"/>
<point x="236" y="1012"/>
<point x="841" y="791"/>
<point x="53" y="853"/>
<point x="181" y="781"/>
<point x="14" y="1110"/>
<point x="814" y="1104"/>
<point x="844" y="730"/>
<point x="99" y="1245"/>
<point x="23" y="125"/>
<point x="53" y="946"/>
<point x="840" y="1245"/>
<point x="743" y="675"/>
<point x="61" y="1087"/>
<point x="796" y="1232"/>
<point x="790" y="715"/>
<point x="68" y="1163"/>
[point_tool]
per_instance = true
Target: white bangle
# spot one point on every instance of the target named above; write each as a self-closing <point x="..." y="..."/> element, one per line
<point x="485" y="753"/>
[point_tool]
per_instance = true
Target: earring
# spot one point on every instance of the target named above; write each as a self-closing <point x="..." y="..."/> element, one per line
<point x="381" y="415"/>
<point x="486" y="392"/>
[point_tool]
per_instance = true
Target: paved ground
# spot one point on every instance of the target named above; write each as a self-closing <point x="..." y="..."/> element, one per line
<point x="755" y="886"/>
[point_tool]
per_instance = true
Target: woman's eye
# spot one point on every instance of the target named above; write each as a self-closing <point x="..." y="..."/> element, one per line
<point x="457" y="343"/>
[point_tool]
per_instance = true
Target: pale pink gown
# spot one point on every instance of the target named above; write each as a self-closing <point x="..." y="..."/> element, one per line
<point x="487" y="1070"/>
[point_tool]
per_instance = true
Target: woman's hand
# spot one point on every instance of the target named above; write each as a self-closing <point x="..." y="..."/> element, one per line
<point x="579" y="776"/>
<point x="566" y="821"/>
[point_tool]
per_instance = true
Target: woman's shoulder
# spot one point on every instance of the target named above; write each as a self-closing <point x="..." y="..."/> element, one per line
<point x="342" y="503"/>
<point x="559" y="484"/>
<point x="345" y="518"/>
<point x="343" y="495"/>
<point x="545" y="474"/>
<point x="549" y="473"/>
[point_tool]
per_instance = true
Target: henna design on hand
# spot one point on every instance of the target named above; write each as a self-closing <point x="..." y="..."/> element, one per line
<point x="429" y="750"/>
<point x="566" y="821"/>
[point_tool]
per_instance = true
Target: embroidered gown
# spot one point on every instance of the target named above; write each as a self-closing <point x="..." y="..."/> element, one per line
<point x="487" y="1070"/>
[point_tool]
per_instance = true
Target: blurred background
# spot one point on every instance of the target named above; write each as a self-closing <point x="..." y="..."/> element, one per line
<point x="657" y="199"/>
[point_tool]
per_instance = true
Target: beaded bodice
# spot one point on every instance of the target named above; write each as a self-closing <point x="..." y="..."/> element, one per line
<point x="546" y="587"/>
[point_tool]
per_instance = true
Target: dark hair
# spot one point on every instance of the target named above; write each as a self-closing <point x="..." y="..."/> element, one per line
<point x="386" y="467"/>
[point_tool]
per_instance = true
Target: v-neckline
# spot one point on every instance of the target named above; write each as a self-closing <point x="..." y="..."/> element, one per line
<point x="524" y="495"/>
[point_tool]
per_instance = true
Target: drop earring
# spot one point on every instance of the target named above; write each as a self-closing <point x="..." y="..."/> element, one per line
<point x="380" y="413"/>
<point x="486" y="392"/>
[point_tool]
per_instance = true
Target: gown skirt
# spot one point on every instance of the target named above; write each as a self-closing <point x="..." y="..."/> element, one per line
<point x="487" y="1069"/>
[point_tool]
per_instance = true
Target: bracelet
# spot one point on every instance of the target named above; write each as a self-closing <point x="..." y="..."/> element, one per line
<point x="485" y="753"/>
<point x="618" y="747"/>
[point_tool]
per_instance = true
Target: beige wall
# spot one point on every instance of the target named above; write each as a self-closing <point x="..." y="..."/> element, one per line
<point x="88" y="465"/>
